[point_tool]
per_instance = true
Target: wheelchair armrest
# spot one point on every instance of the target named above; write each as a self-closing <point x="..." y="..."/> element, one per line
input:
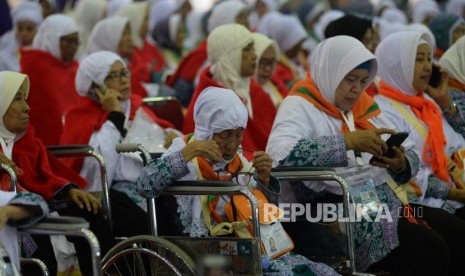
<point x="303" y="173"/>
<point x="158" y="100"/>
<point x="11" y="173"/>
<point x="71" y="150"/>
<point x="59" y="223"/>
<point x="132" y="147"/>
<point x="207" y="187"/>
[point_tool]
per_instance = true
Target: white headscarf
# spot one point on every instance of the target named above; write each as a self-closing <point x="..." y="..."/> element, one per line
<point x="268" y="23"/>
<point x="394" y="15"/>
<point x="262" y="43"/>
<point x="27" y="11"/>
<point x="10" y="82"/>
<point x="334" y="58"/>
<point x="420" y="28"/>
<point x="87" y="13"/>
<point x="106" y="35"/>
<point x="225" y="13"/>
<point x="94" y="69"/>
<point x="288" y="32"/>
<point x="173" y="26"/>
<point x="195" y="31"/>
<point x="455" y="7"/>
<point x="51" y="30"/>
<point x="115" y="5"/>
<point x="324" y="21"/>
<point x="423" y="9"/>
<point x="396" y="56"/>
<point x="160" y="11"/>
<point x="135" y="13"/>
<point x="453" y="60"/>
<point x="224" y="50"/>
<point x="218" y="109"/>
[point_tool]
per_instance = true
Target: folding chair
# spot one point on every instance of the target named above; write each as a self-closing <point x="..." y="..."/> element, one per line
<point x="167" y="108"/>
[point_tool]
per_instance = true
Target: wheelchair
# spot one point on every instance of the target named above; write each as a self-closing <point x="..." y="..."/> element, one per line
<point x="67" y="226"/>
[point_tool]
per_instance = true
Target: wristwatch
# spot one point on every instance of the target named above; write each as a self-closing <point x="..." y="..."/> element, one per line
<point x="450" y="107"/>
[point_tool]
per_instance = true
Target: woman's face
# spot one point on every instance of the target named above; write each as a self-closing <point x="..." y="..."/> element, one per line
<point x="119" y="79"/>
<point x="422" y="71"/>
<point x="68" y="46"/>
<point x="350" y="88"/>
<point x="125" y="46"/>
<point x="458" y="32"/>
<point x="229" y="141"/>
<point x="243" y="18"/>
<point x="248" y="60"/>
<point x="266" y="66"/>
<point x="294" y="51"/>
<point x="16" y="118"/>
<point x="25" y="32"/>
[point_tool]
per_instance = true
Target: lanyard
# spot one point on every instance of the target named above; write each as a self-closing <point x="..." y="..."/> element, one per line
<point x="349" y="120"/>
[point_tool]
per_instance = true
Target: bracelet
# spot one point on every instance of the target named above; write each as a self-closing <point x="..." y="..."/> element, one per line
<point x="450" y="107"/>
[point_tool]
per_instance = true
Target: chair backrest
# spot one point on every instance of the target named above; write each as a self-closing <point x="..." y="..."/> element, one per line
<point x="167" y="108"/>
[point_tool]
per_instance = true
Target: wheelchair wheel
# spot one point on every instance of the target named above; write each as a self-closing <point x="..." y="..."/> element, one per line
<point x="147" y="255"/>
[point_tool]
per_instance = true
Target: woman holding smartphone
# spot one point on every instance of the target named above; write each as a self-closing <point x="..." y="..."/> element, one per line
<point x="102" y="118"/>
<point x="405" y="72"/>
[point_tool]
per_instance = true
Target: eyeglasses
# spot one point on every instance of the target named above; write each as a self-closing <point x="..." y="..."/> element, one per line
<point x="265" y="63"/>
<point x="240" y="178"/>
<point x="118" y="75"/>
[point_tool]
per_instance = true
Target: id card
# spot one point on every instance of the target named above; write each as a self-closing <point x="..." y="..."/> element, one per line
<point x="363" y="193"/>
<point x="275" y="240"/>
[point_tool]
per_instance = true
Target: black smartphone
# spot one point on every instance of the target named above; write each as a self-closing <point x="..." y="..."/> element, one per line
<point x="394" y="141"/>
<point x="435" y="78"/>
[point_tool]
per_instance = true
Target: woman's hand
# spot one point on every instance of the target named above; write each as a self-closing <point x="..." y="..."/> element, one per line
<point x="109" y="99"/>
<point x="397" y="164"/>
<point x="262" y="164"/>
<point x="8" y="162"/>
<point x="84" y="199"/>
<point x="205" y="148"/>
<point x="169" y="137"/>
<point x="8" y="212"/>
<point x="367" y="141"/>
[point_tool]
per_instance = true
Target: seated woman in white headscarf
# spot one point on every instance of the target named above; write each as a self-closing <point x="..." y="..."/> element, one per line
<point x="233" y="61"/>
<point x="106" y="115"/>
<point x="87" y="13"/>
<point x="187" y="74"/>
<point x="51" y="68"/>
<point x="220" y="120"/>
<point x="405" y="67"/>
<point x="26" y="19"/>
<point x="290" y="34"/>
<point x="268" y="54"/>
<point x="331" y="101"/>
<point x="453" y="62"/>
<point x="42" y="173"/>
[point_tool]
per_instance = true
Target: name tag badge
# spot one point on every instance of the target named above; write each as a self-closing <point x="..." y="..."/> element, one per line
<point x="363" y="193"/>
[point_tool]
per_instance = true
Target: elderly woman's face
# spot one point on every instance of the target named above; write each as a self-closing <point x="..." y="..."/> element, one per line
<point x="350" y="88"/>
<point x="248" y="60"/>
<point x="16" y="118"/>
<point x="68" y="46"/>
<point x="125" y="46"/>
<point x="25" y="32"/>
<point x="423" y="68"/>
<point x="229" y="141"/>
<point x="266" y="66"/>
<point x="119" y="79"/>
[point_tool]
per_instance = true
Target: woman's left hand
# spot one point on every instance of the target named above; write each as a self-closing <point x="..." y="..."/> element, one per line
<point x="396" y="164"/>
<point x="262" y="164"/>
<point x="84" y="199"/>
